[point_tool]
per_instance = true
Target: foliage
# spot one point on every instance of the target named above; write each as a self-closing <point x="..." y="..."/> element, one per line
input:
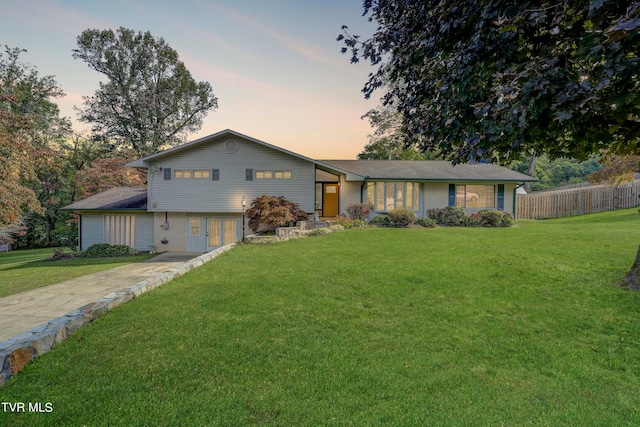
<point x="494" y="80"/>
<point x="358" y="211"/>
<point x="401" y="217"/>
<point x="106" y="173"/>
<point x="619" y="169"/>
<point x="32" y="179"/>
<point x="389" y="141"/>
<point x="426" y="222"/>
<point x="380" y="221"/>
<point x="493" y="218"/>
<point x="558" y="172"/>
<point x="150" y="100"/>
<point x="105" y="250"/>
<point x="449" y="216"/>
<point x="273" y="211"/>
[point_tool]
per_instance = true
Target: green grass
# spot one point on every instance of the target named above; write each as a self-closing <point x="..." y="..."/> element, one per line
<point x="445" y="326"/>
<point x="30" y="269"/>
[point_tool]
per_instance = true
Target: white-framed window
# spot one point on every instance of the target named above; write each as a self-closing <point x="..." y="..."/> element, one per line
<point x="266" y="174"/>
<point x="194" y="226"/>
<point x="389" y="195"/>
<point x="192" y="173"/>
<point x="476" y="196"/>
<point x="183" y="174"/>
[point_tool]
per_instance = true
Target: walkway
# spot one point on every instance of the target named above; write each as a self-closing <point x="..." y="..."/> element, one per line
<point x="33" y="322"/>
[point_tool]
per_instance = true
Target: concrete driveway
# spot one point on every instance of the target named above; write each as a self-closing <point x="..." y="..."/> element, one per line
<point x="21" y="312"/>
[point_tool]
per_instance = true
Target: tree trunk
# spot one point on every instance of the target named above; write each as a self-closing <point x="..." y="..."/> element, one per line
<point x="633" y="278"/>
<point x="531" y="172"/>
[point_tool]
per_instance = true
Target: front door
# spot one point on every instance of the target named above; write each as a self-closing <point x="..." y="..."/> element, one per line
<point x="330" y="196"/>
<point x="220" y="232"/>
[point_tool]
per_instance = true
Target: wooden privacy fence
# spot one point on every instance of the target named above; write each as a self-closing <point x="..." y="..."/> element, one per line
<point x="578" y="201"/>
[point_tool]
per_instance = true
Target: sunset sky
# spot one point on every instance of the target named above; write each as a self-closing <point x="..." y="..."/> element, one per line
<point x="275" y="65"/>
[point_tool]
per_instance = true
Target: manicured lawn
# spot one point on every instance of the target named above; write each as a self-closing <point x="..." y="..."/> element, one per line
<point x="445" y="326"/>
<point x="30" y="269"/>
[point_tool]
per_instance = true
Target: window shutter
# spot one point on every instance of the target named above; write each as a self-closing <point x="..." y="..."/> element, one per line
<point x="500" y="197"/>
<point x="452" y="194"/>
<point x="215" y="174"/>
<point x="167" y="174"/>
<point x="249" y="176"/>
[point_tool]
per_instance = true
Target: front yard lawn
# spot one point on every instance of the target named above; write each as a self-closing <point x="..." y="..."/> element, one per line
<point x="24" y="270"/>
<point x="444" y="326"/>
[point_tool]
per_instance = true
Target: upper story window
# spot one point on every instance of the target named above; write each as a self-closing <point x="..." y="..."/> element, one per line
<point x="192" y="174"/>
<point x="265" y="174"/>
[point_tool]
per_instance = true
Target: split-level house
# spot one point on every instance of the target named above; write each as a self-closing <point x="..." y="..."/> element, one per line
<point x="197" y="192"/>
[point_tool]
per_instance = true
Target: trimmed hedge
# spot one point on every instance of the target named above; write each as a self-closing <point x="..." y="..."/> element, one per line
<point x="401" y="217"/>
<point x="105" y="250"/>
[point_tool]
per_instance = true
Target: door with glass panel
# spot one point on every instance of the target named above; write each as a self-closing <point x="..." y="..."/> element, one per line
<point x="220" y="232"/>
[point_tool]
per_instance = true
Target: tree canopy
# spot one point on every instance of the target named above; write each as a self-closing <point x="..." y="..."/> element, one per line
<point x="150" y="100"/>
<point x="500" y="78"/>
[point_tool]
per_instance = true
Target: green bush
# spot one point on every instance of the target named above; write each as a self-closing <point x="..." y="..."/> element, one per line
<point x="105" y="250"/>
<point x="451" y="216"/>
<point x="401" y="217"/>
<point x="380" y="221"/>
<point x="426" y="222"/>
<point x="490" y="218"/>
<point x="320" y="231"/>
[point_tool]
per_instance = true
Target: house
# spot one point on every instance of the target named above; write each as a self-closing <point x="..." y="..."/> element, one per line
<point x="197" y="192"/>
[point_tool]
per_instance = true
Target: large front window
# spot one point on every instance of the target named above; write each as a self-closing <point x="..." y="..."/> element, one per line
<point x="475" y="196"/>
<point x="386" y="196"/>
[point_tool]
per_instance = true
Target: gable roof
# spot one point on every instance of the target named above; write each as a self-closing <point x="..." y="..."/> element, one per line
<point x="134" y="198"/>
<point x="144" y="162"/>
<point x="428" y="170"/>
<point x="358" y="170"/>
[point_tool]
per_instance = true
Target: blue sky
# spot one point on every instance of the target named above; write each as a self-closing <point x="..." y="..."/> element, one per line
<point x="274" y="64"/>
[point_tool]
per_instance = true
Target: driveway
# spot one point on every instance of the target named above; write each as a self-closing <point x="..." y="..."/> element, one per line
<point x="21" y="312"/>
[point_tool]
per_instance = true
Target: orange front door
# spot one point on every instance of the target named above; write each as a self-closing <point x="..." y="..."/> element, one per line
<point x="330" y="196"/>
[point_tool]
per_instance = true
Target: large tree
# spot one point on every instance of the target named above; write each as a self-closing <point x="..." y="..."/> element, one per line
<point x="150" y="100"/>
<point x="499" y="78"/>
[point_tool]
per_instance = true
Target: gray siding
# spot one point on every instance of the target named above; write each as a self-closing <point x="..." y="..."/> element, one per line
<point x="92" y="229"/>
<point x="144" y="231"/>
<point x="225" y="194"/>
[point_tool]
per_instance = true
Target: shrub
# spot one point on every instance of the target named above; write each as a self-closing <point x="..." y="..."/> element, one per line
<point x="358" y="211"/>
<point x="473" y="220"/>
<point x="344" y="221"/>
<point x="507" y="220"/>
<point x="451" y="215"/>
<point x="336" y="227"/>
<point x="401" y="217"/>
<point x="380" y="221"/>
<point x="426" y="222"/>
<point x="320" y="231"/>
<point x="349" y="223"/>
<point x="491" y="218"/>
<point x="105" y="250"/>
<point x="273" y="211"/>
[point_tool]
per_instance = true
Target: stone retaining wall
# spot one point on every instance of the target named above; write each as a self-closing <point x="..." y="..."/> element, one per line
<point x="16" y="352"/>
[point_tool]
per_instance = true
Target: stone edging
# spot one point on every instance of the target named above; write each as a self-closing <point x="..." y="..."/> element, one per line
<point x="16" y="352"/>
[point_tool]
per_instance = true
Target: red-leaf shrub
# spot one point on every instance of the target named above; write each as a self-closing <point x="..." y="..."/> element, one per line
<point x="273" y="211"/>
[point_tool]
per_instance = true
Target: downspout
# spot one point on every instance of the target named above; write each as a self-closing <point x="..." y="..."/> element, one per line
<point x="515" y="197"/>
<point x="362" y="188"/>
